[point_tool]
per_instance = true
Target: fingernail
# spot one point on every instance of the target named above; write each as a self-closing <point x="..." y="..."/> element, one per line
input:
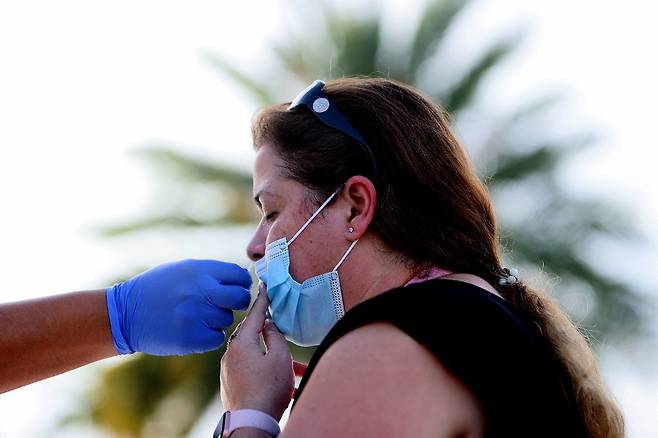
<point x="269" y="325"/>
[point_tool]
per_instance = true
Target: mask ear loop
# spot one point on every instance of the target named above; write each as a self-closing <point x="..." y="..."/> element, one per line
<point x="342" y="259"/>
<point x="317" y="212"/>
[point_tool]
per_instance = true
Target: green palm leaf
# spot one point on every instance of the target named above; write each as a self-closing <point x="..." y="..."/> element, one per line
<point x="232" y="192"/>
<point x="259" y="92"/>
<point x="462" y="93"/>
<point x="432" y="28"/>
<point x="171" y="162"/>
<point x="354" y="59"/>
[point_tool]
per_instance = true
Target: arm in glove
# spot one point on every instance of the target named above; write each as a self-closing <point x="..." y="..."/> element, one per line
<point x="176" y="308"/>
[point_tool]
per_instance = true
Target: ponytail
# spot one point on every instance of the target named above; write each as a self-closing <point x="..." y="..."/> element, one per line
<point x="598" y="411"/>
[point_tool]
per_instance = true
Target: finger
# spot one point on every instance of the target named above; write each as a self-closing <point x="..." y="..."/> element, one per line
<point x="227" y="273"/>
<point x="273" y="339"/>
<point x="236" y="332"/>
<point x="256" y="316"/>
<point x="217" y="319"/>
<point x="299" y="368"/>
<point x="228" y="297"/>
<point x="208" y="340"/>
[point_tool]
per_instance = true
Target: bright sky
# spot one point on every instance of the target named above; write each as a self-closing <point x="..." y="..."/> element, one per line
<point x="82" y="84"/>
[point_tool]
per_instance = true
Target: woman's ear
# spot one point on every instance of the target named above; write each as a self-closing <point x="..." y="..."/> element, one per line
<point x="360" y="195"/>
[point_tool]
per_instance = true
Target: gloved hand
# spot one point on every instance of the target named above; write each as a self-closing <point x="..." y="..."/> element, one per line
<point x="177" y="308"/>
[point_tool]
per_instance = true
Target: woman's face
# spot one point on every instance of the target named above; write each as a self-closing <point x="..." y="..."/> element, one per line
<point x="285" y="206"/>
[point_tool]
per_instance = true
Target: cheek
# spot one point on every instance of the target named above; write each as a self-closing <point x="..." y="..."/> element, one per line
<point x="277" y="230"/>
<point x="290" y="219"/>
<point x="316" y="250"/>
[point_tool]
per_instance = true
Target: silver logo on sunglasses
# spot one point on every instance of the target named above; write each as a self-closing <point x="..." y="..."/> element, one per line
<point x="320" y="105"/>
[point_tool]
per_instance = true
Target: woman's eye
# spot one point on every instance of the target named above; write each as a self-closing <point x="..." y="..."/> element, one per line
<point x="270" y="216"/>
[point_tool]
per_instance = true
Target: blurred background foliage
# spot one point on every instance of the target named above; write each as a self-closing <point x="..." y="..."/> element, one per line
<point x="517" y="153"/>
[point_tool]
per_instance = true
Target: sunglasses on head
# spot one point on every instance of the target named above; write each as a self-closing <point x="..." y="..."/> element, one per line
<point x="314" y="99"/>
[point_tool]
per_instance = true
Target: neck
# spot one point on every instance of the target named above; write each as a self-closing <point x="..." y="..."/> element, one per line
<point x="368" y="272"/>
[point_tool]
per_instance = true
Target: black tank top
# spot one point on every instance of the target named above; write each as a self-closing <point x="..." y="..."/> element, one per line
<point x="483" y="342"/>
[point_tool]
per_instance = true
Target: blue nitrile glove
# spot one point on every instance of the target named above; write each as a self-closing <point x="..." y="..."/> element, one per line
<point x="177" y="308"/>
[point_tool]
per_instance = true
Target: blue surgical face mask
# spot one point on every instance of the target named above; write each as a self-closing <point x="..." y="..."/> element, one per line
<point x="304" y="312"/>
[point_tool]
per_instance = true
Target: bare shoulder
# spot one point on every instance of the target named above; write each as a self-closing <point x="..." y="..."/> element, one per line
<point x="378" y="381"/>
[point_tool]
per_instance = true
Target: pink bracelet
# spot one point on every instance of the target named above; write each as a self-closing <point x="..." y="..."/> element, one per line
<point x="233" y="420"/>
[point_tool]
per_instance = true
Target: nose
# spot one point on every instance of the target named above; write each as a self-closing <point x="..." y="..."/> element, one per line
<point x="256" y="246"/>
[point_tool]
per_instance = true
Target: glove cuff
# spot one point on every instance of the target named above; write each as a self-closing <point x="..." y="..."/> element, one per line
<point x="115" y="316"/>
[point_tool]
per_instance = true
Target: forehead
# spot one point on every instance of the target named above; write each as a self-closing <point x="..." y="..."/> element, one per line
<point x="268" y="169"/>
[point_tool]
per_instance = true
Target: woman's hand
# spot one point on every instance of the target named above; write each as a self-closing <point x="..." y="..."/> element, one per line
<point x="250" y="377"/>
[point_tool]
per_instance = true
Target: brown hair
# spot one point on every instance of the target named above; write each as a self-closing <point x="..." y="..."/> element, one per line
<point x="428" y="192"/>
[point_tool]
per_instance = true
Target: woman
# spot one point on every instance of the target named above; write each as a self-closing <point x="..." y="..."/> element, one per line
<point x="437" y="337"/>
